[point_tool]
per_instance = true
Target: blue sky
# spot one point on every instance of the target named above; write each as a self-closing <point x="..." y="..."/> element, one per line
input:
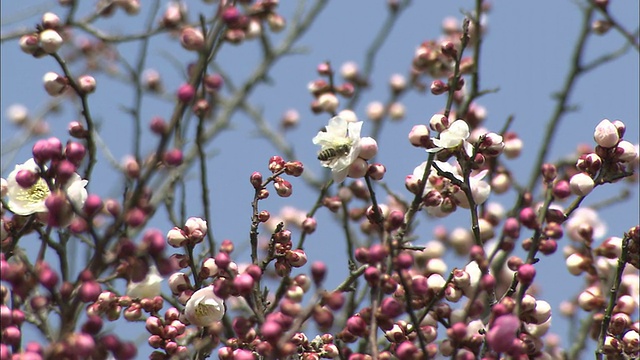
<point x="526" y="55"/>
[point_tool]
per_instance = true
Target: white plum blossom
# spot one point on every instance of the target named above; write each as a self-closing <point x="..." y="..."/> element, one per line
<point x="585" y="216"/>
<point x="340" y="132"/>
<point x="480" y="190"/>
<point x="147" y="288"/>
<point x="452" y="137"/>
<point x="29" y="201"/>
<point x="204" y="307"/>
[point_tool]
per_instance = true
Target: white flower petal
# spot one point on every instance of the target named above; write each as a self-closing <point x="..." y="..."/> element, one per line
<point x="339" y="133"/>
<point x="147" y="288"/>
<point x="204" y="307"/>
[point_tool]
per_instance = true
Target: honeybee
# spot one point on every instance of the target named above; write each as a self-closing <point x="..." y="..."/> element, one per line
<point x="329" y="154"/>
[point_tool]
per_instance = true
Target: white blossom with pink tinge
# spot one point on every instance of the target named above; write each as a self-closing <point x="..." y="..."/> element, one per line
<point x="204" y="307"/>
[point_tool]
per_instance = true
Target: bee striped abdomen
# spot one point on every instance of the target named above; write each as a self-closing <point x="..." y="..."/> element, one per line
<point x="329" y="154"/>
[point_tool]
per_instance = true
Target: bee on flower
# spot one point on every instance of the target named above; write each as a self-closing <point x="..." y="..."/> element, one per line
<point x="343" y="150"/>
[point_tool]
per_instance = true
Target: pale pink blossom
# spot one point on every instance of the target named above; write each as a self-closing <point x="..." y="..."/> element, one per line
<point x="581" y="184"/>
<point x="606" y="134"/>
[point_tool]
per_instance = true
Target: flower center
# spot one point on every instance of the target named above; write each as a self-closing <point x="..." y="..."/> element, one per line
<point x="204" y="310"/>
<point x="35" y="194"/>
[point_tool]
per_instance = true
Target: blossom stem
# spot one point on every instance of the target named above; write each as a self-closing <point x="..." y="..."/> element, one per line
<point x="316" y="206"/>
<point x="417" y="201"/>
<point x="374" y="48"/>
<point x="613" y="294"/>
<point x="563" y="97"/>
<point x="453" y="81"/>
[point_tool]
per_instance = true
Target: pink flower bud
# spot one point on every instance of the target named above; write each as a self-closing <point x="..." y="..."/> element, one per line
<point x="135" y="217"/>
<point x="213" y="82"/>
<point x="626" y="152"/>
<point x="512" y="146"/>
<point x="54" y="84"/>
<point x="318" y="272"/>
<point x="438" y="87"/>
<point x="179" y="282"/>
<point x="419" y="136"/>
<point x="398" y="83"/>
<point x="271" y="331"/>
<point x="328" y="102"/>
<point x="296" y="257"/>
<point x="192" y="39"/>
<point x="561" y="189"/>
<point x="548" y="246"/>
<point x="356" y="325"/>
<point x="153" y="242"/>
<point x="283" y="187"/>
<point x="526" y="274"/>
<point x="11" y="335"/>
<point x="503" y="332"/>
<point x="576" y="264"/>
<point x="591" y="299"/>
<point x="419" y="285"/>
<point x="397" y="111"/>
<point x="309" y="225"/>
<point x="173" y="157"/>
<point x="87" y="84"/>
<point x="606" y="134"/>
<point x="358" y="168"/>
<point x="438" y="122"/>
<point x="29" y="44"/>
<point x="176" y="237"/>
<point x="222" y="260"/>
<point x="372" y="275"/>
<point x="528" y="218"/>
<point x="243" y="284"/>
<point x="89" y="291"/>
<point x="186" y="93"/>
<point x="26" y="178"/>
<point x="48" y="278"/>
<point x="151" y="80"/>
<point x="75" y="152"/>
<point x="406" y="351"/>
<point x="293" y="168"/>
<point x="391" y="307"/>
<point x="276" y="163"/>
<point x="368" y="148"/>
<point x="622" y="128"/>
<point x="50" y="41"/>
<point x="173" y="16"/>
<point x="256" y="180"/>
<point x="290" y="119"/>
<point x="491" y="144"/>
<point x="375" y="111"/>
<point x="581" y="184"/>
